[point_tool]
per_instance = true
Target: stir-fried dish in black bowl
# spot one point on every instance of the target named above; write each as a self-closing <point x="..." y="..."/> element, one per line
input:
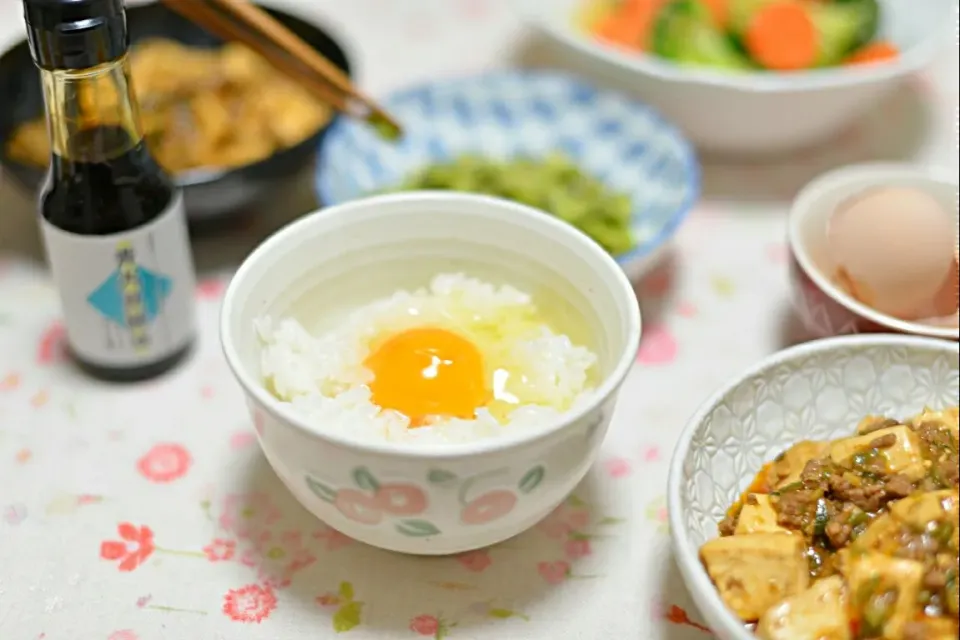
<point x="850" y="539"/>
<point x="217" y="116"/>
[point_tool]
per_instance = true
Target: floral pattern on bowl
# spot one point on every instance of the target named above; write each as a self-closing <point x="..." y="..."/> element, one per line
<point x="370" y="501"/>
<point x="816" y="391"/>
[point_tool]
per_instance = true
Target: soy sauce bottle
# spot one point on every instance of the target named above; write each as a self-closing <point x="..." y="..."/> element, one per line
<point x="112" y="221"/>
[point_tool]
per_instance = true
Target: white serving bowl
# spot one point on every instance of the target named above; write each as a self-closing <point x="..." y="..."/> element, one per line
<point x="754" y="113"/>
<point x="818" y="390"/>
<point x="824" y="308"/>
<point x="445" y="498"/>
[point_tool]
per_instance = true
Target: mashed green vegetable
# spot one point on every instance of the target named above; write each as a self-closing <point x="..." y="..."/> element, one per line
<point x="554" y="184"/>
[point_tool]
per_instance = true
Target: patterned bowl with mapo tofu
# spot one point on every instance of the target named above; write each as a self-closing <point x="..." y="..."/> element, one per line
<point x="844" y="533"/>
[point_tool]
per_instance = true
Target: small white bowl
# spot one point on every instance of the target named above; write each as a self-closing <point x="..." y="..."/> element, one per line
<point x="446" y="498"/>
<point x="754" y="113"/>
<point x="818" y="390"/>
<point x="824" y="308"/>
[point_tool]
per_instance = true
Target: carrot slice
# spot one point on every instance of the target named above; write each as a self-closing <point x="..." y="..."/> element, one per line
<point x="781" y="36"/>
<point x="873" y="52"/>
<point x="630" y="24"/>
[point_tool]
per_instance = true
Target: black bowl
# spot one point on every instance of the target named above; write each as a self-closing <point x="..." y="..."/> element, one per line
<point x="207" y="193"/>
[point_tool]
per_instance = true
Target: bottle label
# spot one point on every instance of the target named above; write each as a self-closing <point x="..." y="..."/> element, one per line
<point x="127" y="298"/>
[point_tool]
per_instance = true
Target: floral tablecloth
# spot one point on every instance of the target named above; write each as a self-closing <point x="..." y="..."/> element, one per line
<point x="148" y="512"/>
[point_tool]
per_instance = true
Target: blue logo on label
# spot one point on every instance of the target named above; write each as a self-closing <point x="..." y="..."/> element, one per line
<point x="109" y="298"/>
<point x="131" y="296"/>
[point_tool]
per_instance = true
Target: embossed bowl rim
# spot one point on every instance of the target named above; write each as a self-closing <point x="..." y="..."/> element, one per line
<point x="610" y="271"/>
<point x="686" y="553"/>
<point x="826" y="186"/>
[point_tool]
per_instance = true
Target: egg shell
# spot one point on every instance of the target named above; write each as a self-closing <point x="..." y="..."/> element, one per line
<point x="896" y="247"/>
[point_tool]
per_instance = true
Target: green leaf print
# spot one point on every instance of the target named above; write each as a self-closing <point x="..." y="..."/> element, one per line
<point x="346" y="591"/>
<point x="417" y="528"/>
<point x="440" y="476"/>
<point x="500" y="613"/>
<point x="365" y="480"/>
<point x="347" y="617"/>
<point x="320" y="490"/>
<point x="531" y="479"/>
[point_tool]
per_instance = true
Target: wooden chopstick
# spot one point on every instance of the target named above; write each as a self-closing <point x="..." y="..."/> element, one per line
<point x="245" y="22"/>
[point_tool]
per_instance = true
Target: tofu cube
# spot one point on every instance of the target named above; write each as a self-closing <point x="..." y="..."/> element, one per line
<point x="919" y="510"/>
<point x="875" y="573"/>
<point x="819" y="613"/>
<point x="903" y="457"/>
<point x="755" y="571"/>
<point x="759" y="517"/>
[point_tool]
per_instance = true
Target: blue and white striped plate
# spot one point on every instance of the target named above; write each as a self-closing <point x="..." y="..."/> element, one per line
<point x="622" y="142"/>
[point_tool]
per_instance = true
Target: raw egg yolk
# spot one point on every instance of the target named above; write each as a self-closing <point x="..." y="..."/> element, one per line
<point x="428" y="372"/>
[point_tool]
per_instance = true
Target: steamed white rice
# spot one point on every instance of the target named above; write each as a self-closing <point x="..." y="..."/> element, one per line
<point x="323" y="377"/>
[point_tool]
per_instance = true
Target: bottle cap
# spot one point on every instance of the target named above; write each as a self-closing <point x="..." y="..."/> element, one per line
<point x="75" y="34"/>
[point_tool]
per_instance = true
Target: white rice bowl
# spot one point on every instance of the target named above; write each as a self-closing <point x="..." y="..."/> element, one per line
<point x="323" y="377"/>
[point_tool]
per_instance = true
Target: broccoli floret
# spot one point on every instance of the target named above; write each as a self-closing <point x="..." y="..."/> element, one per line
<point x="683" y="32"/>
<point x="843" y="27"/>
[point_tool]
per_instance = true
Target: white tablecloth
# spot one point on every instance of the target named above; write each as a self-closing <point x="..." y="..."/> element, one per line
<point x="119" y="506"/>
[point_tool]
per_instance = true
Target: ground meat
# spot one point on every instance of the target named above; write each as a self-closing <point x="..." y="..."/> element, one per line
<point x="814" y="473"/>
<point x="935" y="579"/>
<point x="949" y="470"/>
<point x="898" y="486"/>
<point x="794" y="507"/>
<point x="838" y="529"/>
<point x="728" y="525"/>
<point x="869" y="495"/>
<point x="884" y="441"/>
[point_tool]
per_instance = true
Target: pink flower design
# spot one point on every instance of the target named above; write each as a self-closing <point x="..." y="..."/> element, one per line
<point x="143" y="601"/>
<point x="279" y="557"/>
<point x="577" y="548"/>
<point x="425" y="625"/>
<point x="333" y="539"/>
<point x="358" y="506"/>
<point x="246" y="515"/>
<point x="123" y="634"/>
<point x="617" y="467"/>
<point x="658" y="346"/>
<point x="488" y="507"/>
<point x="165" y="463"/>
<point x="252" y="603"/>
<point x="651" y="453"/>
<point x="554" y="572"/>
<point x="242" y="440"/>
<point x="564" y="520"/>
<point x="220" y="550"/>
<point x="132" y="550"/>
<point x="476" y="561"/>
<point x="210" y="289"/>
<point x="401" y="499"/>
<point x="51" y="347"/>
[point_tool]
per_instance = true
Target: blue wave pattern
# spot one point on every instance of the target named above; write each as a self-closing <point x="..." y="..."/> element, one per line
<point x="620" y="141"/>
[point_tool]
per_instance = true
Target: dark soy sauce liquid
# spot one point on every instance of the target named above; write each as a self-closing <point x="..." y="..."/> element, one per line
<point x="107" y="185"/>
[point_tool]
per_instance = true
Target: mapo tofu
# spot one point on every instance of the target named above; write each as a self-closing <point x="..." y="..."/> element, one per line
<point x="851" y="539"/>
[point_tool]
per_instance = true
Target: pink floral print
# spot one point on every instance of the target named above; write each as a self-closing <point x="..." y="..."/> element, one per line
<point x="133" y="548"/>
<point x="165" y="463"/>
<point x="577" y="547"/>
<point x="564" y="520"/>
<point x="332" y="539"/>
<point x="554" y="572"/>
<point x="475" y="561"/>
<point x="220" y="550"/>
<point x="246" y="515"/>
<point x="488" y="507"/>
<point x="250" y="604"/>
